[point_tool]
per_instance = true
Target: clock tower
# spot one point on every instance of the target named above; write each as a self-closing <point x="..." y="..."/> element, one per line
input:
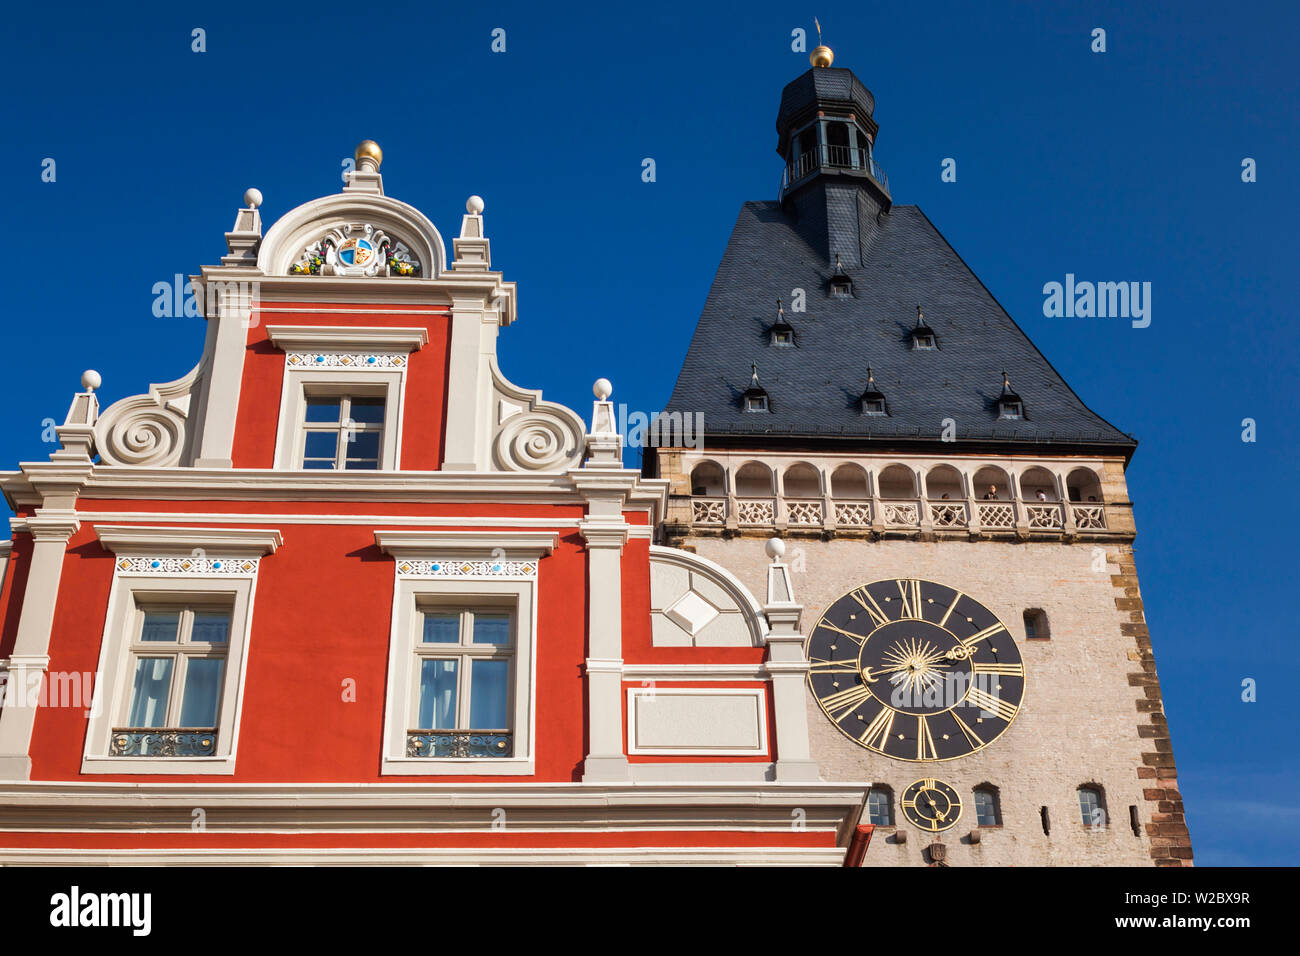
<point x="956" y="518"/>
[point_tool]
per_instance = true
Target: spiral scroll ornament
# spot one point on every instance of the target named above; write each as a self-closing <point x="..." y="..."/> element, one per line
<point x="537" y="442"/>
<point x="151" y="435"/>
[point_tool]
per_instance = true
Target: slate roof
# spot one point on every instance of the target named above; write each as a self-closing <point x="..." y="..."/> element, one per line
<point x="815" y="387"/>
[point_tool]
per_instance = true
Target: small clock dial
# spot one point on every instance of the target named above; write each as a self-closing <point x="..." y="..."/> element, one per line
<point x="931" y="805"/>
<point x="915" y="670"/>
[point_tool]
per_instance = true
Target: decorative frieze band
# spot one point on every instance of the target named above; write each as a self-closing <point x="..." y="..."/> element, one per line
<point x="191" y="565"/>
<point x="466" y="568"/>
<point x="373" y="361"/>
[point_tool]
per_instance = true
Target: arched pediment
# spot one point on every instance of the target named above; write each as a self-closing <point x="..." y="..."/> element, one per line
<point x="353" y="234"/>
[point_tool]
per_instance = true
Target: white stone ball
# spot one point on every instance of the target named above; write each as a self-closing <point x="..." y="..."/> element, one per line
<point x="90" y="380"/>
<point x="253" y="198"/>
<point x="775" y="547"/>
<point x="602" y="389"/>
<point x="474" y="205"/>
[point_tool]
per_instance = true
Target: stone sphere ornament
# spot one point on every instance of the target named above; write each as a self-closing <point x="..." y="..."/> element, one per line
<point x="775" y="548"/>
<point x="91" y="380"/>
<point x="474" y="205"/>
<point x="252" y="198"/>
<point x="602" y="389"/>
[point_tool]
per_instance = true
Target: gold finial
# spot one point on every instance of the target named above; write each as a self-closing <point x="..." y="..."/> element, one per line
<point x="822" y="55"/>
<point x="369" y="149"/>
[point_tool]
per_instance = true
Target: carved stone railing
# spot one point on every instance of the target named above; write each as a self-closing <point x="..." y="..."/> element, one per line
<point x="948" y="514"/>
<point x="804" y="512"/>
<point x="756" y="511"/>
<point x="459" y="743"/>
<point x="162" y="742"/>
<point x="996" y="515"/>
<point x="708" y="511"/>
<point x="1089" y="517"/>
<point x="853" y="514"/>
<point x="901" y="514"/>
<point x="1044" y="517"/>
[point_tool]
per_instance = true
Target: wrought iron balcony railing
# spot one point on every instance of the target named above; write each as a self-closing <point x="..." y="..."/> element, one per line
<point x="459" y="743"/>
<point x="163" y="742"/>
<point x="832" y="157"/>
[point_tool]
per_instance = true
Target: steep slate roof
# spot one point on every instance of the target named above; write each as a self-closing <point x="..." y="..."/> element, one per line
<point x="815" y="386"/>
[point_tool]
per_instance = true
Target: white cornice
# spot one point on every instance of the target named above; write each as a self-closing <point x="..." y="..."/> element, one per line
<point x="369" y="338"/>
<point x="248" y="542"/>
<point x="411" y="543"/>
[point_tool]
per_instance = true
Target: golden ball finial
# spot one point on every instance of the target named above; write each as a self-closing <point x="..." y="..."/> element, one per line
<point x="821" y="56"/>
<point x="368" y="148"/>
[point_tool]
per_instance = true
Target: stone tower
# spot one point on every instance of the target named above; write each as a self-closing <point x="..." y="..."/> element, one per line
<point x="957" y="519"/>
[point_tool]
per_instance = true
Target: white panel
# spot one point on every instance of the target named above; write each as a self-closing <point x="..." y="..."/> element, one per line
<point x="704" y="721"/>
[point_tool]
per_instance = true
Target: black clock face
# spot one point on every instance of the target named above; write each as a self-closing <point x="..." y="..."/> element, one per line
<point x="931" y="805"/>
<point x="915" y="670"/>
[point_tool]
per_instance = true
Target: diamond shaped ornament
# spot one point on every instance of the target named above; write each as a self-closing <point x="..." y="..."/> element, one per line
<point x="691" y="613"/>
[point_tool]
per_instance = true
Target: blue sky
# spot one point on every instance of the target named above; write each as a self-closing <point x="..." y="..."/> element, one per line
<point x="1117" y="166"/>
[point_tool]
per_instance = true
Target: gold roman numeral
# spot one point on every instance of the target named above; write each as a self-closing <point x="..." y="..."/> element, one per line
<point x="879" y="728"/>
<point x="863" y="597"/>
<point x="972" y="738"/>
<point x="832" y="667"/>
<point x="990" y="704"/>
<point x="910" y="591"/>
<point x="839" y="630"/>
<point x="982" y="635"/>
<point x="951" y="607"/>
<point x="845" y="701"/>
<point x="1002" y="670"/>
<point x="924" y="743"/>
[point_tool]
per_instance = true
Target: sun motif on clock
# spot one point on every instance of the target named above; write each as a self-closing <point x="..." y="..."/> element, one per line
<point x="915" y="670"/>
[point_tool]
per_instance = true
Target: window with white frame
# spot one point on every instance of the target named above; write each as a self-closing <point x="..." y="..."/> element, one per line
<point x="177" y="669"/>
<point x="462" y="700"/>
<point x="342" y="429"/>
<point x="169" y="683"/>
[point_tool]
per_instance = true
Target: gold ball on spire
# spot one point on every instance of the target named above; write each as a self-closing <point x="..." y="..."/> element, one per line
<point x="821" y="56"/>
<point x="369" y="148"/>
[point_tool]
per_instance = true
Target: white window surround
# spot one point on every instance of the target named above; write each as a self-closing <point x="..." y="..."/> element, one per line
<point x="503" y="572"/>
<point x="218" y="561"/>
<point x="366" y="361"/>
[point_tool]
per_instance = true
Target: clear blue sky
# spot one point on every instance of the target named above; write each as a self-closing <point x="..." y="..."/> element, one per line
<point x="1117" y="166"/>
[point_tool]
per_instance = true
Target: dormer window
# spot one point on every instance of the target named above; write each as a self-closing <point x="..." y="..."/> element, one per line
<point x="872" y="399"/>
<point x="754" y="398"/>
<point x="841" y="284"/>
<point x="781" y="333"/>
<point x="1010" y="405"/>
<point x="923" y="337"/>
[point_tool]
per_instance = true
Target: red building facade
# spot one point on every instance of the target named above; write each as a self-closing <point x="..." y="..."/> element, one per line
<point x="343" y="593"/>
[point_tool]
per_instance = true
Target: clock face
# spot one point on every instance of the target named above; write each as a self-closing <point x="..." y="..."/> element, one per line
<point x="931" y="805"/>
<point x="915" y="670"/>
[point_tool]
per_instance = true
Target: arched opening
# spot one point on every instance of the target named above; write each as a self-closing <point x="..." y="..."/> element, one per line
<point x="1092" y="805"/>
<point x="943" y="483"/>
<point x="992" y="484"/>
<point x="897" y="481"/>
<point x="708" y="478"/>
<point x="988" y="807"/>
<point x="880" y="806"/>
<point x="754" y="480"/>
<point x="1038" y="484"/>
<point x="1082" y="485"/>
<point x="1036" y="625"/>
<point x="802" y="481"/>
<point x="849" y="481"/>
